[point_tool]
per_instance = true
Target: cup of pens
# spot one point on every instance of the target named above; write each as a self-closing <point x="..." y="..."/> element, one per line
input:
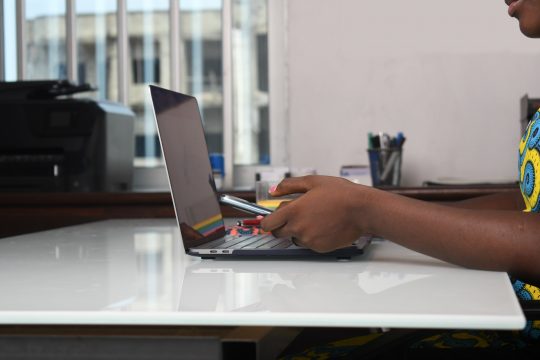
<point x="385" y="155"/>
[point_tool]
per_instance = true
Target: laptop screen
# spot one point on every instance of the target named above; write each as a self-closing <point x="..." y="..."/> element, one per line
<point x="188" y="166"/>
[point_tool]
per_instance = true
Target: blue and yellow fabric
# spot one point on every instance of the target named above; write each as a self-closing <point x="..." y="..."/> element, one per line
<point x="529" y="183"/>
<point x="529" y="165"/>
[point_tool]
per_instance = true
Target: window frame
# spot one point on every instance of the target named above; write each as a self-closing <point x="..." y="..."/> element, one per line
<point x="2" y="50"/>
<point x="236" y="176"/>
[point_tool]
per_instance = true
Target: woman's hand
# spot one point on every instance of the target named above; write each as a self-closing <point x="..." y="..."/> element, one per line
<point x="324" y="218"/>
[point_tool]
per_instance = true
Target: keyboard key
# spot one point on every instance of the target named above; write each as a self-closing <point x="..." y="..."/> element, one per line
<point x="285" y="243"/>
<point x="234" y="241"/>
<point x="270" y="244"/>
<point x="243" y="245"/>
<point x="258" y="243"/>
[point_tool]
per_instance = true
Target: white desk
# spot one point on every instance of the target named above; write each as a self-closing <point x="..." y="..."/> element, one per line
<point x="123" y="272"/>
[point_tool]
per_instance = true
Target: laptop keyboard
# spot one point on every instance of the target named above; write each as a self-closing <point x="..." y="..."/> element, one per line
<point x="249" y="242"/>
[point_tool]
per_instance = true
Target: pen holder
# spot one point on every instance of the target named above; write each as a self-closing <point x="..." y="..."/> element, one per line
<point x="385" y="166"/>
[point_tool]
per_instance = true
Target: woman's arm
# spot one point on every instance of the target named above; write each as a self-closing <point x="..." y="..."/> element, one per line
<point x="334" y="212"/>
<point x="502" y="240"/>
<point x="511" y="200"/>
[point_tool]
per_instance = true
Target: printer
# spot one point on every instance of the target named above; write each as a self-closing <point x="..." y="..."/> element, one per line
<point x="50" y="141"/>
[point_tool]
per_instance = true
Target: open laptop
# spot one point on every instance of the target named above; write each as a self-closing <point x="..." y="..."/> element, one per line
<point x="194" y="194"/>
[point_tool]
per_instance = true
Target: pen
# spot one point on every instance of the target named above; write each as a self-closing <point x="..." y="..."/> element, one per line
<point x="390" y="165"/>
<point x="402" y="142"/>
<point x="376" y="142"/>
<point x="385" y="140"/>
<point x="249" y="222"/>
<point x="374" y="165"/>
<point x="400" y="139"/>
<point x="385" y="148"/>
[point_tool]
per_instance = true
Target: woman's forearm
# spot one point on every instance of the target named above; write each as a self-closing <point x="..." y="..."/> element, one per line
<point x="481" y="239"/>
<point x="511" y="200"/>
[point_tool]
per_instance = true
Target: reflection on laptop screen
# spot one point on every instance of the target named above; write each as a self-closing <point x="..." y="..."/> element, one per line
<point x="188" y="166"/>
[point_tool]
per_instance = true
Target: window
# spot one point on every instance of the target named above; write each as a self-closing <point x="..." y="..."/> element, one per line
<point x="96" y="29"/>
<point x="144" y="70"/>
<point x="45" y="33"/>
<point x="250" y="82"/>
<point x="9" y="59"/>
<point x="201" y="65"/>
<point x="120" y="47"/>
<point x="148" y="30"/>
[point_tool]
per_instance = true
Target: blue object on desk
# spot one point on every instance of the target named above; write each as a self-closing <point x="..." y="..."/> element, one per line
<point x="218" y="163"/>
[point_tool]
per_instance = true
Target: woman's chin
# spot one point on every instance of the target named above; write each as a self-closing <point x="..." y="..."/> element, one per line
<point x="530" y="31"/>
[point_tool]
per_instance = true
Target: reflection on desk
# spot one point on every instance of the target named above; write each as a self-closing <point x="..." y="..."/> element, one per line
<point x="136" y="272"/>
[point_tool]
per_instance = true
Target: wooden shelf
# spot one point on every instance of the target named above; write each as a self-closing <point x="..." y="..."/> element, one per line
<point x="30" y="212"/>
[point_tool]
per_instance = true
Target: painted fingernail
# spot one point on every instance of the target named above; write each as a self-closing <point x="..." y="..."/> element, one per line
<point x="272" y="189"/>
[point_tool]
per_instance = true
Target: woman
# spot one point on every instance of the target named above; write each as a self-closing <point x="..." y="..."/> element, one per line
<point x="499" y="232"/>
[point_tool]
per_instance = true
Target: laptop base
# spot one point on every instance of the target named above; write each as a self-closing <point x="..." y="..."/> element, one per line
<point x="291" y="253"/>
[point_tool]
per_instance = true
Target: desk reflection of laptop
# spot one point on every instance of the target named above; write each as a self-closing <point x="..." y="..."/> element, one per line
<point x="194" y="193"/>
<point x="261" y="286"/>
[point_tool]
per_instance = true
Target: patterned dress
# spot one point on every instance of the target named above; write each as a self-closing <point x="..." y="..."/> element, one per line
<point x="529" y="183"/>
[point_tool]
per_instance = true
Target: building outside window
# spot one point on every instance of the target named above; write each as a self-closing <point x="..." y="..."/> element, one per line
<point x="195" y="60"/>
<point x="97" y="47"/>
<point x="45" y="32"/>
<point x="250" y="79"/>
<point x="201" y="65"/>
<point x="142" y="68"/>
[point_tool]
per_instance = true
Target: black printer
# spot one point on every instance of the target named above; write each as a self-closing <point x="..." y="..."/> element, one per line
<point x="52" y="142"/>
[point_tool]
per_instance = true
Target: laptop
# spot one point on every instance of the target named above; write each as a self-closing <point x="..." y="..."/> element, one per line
<point x="194" y="193"/>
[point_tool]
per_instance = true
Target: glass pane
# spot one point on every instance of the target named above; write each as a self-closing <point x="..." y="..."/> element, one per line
<point x="148" y="31"/>
<point x="10" y="41"/>
<point x="201" y="73"/>
<point x="250" y="82"/>
<point x="97" y="47"/>
<point x="45" y="28"/>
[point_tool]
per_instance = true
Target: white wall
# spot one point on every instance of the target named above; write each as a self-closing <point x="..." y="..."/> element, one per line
<point x="449" y="74"/>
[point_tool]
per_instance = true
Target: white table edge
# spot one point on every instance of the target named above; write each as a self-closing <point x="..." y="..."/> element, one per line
<point x="419" y="321"/>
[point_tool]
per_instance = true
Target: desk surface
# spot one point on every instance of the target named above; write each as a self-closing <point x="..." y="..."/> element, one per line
<point x="135" y="272"/>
